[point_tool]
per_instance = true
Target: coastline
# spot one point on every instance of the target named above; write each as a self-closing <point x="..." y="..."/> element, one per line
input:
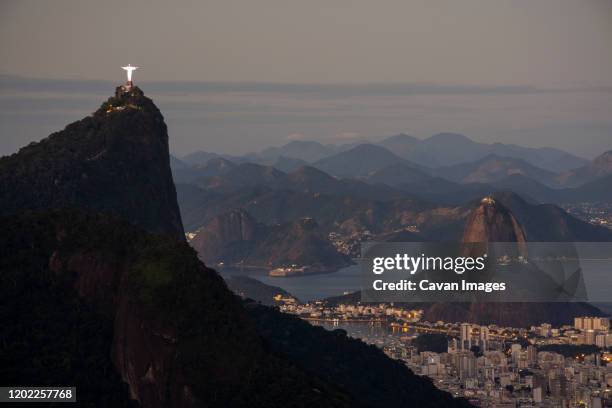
<point x="283" y="271"/>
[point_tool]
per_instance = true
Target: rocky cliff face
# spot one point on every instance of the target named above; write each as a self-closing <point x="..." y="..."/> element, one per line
<point x="550" y="223"/>
<point x="227" y="237"/>
<point x="115" y="161"/>
<point x="491" y="221"/>
<point x="235" y="237"/>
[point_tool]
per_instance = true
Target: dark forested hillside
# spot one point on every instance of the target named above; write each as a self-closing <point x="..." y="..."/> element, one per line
<point x="236" y="238"/>
<point x="115" y="161"/>
<point x="92" y="298"/>
<point x="363" y="370"/>
<point x="85" y="295"/>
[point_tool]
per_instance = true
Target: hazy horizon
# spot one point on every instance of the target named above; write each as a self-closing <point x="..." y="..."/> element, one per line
<point x="238" y="118"/>
<point x="234" y="77"/>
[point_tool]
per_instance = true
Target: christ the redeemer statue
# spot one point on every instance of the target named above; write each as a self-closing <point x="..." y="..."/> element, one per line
<point x="129" y="70"/>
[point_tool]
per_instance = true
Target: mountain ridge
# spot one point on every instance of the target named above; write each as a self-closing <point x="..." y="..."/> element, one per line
<point x="433" y="151"/>
<point x="492" y="168"/>
<point x="167" y="324"/>
<point x="492" y="221"/>
<point x="359" y="161"/>
<point x="237" y="239"/>
<point x="95" y="163"/>
<point x="599" y="167"/>
<point x="454" y="148"/>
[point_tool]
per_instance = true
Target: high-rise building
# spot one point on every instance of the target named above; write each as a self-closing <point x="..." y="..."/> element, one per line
<point x="589" y="336"/>
<point x="515" y="351"/>
<point x="558" y="386"/>
<point x="578" y="323"/>
<point x="592" y="323"/>
<point x="465" y="364"/>
<point x="484" y="338"/>
<point x="601" y="323"/>
<point x="532" y="355"/>
<point x="537" y="395"/>
<point x="466" y="336"/>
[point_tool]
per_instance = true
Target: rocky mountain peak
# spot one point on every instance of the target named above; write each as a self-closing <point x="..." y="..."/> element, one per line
<point x="600" y="167"/>
<point x="603" y="163"/>
<point x="491" y="221"/>
<point x="115" y="161"/>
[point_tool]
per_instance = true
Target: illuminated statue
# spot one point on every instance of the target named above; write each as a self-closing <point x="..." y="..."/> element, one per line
<point x="129" y="70"/>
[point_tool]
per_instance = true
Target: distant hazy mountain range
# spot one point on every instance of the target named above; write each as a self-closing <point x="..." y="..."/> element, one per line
<point x="448" y="155"/>
<point x="384" y="173"/>
<point x="360" y="161"/>
<point x="447" y="149"/>
<point x="443" y="149"/>
<point x="601" y="166"/>
<point x="349" y="206"/>
<point x="492" y="168"/>
<point x="250" y="209"/>
<point x="401" y="189"/>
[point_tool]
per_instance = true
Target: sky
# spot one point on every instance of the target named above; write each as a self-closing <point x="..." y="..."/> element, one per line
<point x="237" y="76"/>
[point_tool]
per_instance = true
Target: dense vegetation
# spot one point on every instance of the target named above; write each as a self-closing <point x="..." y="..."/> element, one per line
<point x="54" y="337"/>
<point x="235" y="238"/>
<point x="438" y="343"/>
<point x="363" y="370"/>
<point x="254" y="289"/>
<point x="230" y="357"/>
<point x="570" y="350"/>
<point x="48" y="336"/>
<point x="114" y="161"/>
